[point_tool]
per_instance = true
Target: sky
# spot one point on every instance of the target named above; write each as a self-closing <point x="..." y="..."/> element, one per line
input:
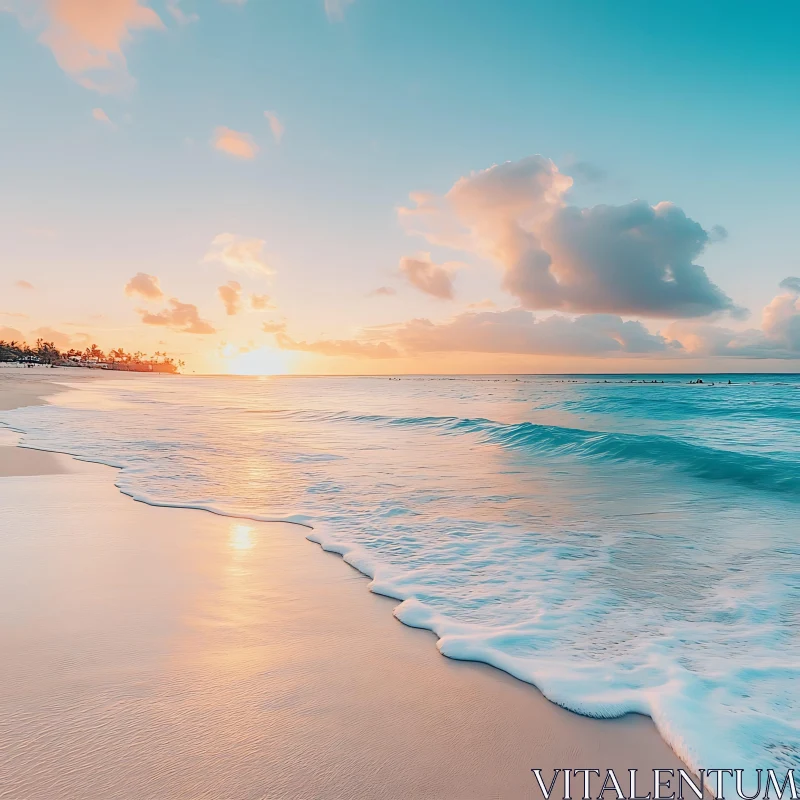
<point x="404" y="186"/>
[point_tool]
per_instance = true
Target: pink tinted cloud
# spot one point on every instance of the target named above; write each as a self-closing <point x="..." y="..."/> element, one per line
<point x="231" y="296"/>
<point x="259" y="302"/>
<point x="234" y="143"/>
<point x="87" y="37"/>
<point x="338" y="347"/>
<point x="64" y="341"/>
<point x="144" y="285"/>
<point x="11" y="334"/>
<point x="101" y="116"/>
<point x="433" y="279"/>
<point x="180" y="317"/>
<point x="628" y="259"/>
<point x="778" y="337"/>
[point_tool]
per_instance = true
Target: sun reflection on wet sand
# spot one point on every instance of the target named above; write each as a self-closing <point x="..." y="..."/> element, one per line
<point x="242" y="537"/>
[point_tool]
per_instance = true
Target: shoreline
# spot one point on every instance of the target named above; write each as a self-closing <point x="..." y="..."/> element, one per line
<point x="389" y="694"/>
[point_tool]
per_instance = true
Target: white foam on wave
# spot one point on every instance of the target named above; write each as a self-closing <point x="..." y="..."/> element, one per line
<point x="657" y="600"/>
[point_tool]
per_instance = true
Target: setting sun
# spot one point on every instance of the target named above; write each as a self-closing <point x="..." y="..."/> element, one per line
<point x="264" y="361"/>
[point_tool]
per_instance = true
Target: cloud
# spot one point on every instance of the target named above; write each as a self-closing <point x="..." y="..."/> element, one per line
<point x="63" y="341"/>
<point x="338" y="347"/>
<point x="273" y="327"/>
<point x="717" y="234"/>
<point x="519" y="331"/>
<point x="24" y="285"/>
<point x="181" y="317"/>
<point x="433" y="279"/>
<point x="586" y="172"/>
<point x="335" y="9"/>
<point x="781" y="318"/>
<point x="629" y="259"/>
<point x="791" y="285"/>
<point x="275" y="125"/>
<point x="778" y="337"/>
<point x="11" y="335"/>
<point x="101" y="116"/>
<point x="179" y="15"/>
<point x="516" y="331"/>
<point x="382" y="291"/>
<point x="259" y="302"/>
<point x="234" y="143"/>
<point x="145" y="285"/>
<point x="239" y="254"/>
<point x="13" y="315"/>
<point x="231" y="296"/>
<point x="87" y="38"/>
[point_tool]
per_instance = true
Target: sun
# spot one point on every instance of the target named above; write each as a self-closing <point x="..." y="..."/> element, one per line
<point x="264" y="361"/>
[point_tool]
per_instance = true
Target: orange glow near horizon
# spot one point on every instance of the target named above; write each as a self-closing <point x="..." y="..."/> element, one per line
<point x="263" y="361"/>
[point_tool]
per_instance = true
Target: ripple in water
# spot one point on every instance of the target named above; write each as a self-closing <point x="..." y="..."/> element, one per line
<point x="623" y="546"/>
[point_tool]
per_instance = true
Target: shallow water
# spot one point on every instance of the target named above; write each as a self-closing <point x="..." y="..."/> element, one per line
<point x="625" y="546"/>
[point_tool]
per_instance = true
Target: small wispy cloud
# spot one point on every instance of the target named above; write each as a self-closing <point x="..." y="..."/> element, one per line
<point x="335" y="9"/>
<point x="102" y="117"/>
<point x="275" y="125"/>
<point x="179" y="15"/>
<point x="259" y="302"/>
<point x="351" y="348"/>
<point x="239" y="254"/>
<point x="24" y="285"/>
<point x="382" y="291"/>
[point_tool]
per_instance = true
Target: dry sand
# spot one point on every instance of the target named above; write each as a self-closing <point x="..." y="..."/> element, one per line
<point x="173" y="654"/>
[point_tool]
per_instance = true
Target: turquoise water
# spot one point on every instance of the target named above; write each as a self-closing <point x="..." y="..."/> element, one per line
<point x="624" y="546"/>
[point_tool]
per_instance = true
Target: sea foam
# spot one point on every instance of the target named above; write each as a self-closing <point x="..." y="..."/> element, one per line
<point x="624" y="547"/>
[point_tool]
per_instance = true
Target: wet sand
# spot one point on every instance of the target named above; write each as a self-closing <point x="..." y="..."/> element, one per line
<point x="174" y="654"/>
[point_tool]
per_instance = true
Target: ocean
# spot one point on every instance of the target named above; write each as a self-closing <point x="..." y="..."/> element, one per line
<point x="624" y="543"/>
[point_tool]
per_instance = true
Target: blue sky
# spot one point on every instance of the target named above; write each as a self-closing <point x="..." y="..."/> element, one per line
<point x="690" y="103"/>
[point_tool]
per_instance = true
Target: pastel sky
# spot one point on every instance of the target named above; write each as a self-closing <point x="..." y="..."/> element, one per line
<point x="389" y="186"/>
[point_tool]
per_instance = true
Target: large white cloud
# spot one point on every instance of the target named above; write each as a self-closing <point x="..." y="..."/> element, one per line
<point x="629" y="259"/>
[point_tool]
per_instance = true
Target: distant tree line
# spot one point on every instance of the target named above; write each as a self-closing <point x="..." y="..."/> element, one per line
<point x="47" y="353"/>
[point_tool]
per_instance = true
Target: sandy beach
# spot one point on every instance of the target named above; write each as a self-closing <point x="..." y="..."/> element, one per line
<point x="154" y="653"/>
